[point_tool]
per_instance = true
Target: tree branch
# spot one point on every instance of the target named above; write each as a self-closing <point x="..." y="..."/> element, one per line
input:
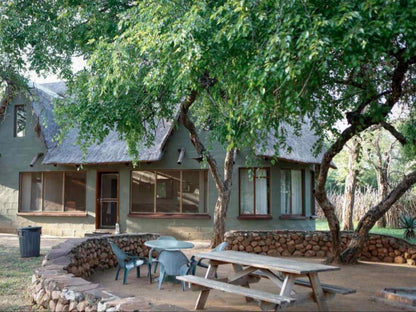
<point x="400" y="137"/>
<point x="196" y="141"/>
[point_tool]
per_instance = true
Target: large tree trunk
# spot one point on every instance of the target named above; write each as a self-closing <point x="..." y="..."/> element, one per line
<point x="223" y="185"/>
<point x="360" y="236"/>
<point x="350" y="185"/>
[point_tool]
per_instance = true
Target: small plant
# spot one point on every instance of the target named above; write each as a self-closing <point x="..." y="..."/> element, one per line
<point x="409" y="225"/>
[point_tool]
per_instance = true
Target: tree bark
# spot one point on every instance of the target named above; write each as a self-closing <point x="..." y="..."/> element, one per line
<point x="221" y="205"/>
<point x="350" y="186"/>
<point x="360" y="236"/>
<point x="223" y="185"/>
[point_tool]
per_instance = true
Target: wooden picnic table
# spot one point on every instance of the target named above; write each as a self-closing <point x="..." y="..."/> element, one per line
<point x="282" y="272"/>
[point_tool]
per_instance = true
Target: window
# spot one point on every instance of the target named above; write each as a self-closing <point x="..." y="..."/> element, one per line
<point x="19" y="121"/>
<point x="169" y="191"/>
<point x="254" y="191"/>
<point x="52" y="192"/>
<point x="292" y="192"/>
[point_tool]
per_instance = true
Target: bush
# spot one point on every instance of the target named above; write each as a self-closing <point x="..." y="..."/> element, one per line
<point x="409" y="225"/>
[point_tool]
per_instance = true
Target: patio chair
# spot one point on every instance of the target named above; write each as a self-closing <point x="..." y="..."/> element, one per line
<point x="151" y="260"/>
<point x="173" y="263"/>
<point x="220" y="247"/>
<point x="126" y="261"/>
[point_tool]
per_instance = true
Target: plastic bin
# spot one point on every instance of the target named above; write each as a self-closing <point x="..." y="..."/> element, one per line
<point x="29" y="241"/>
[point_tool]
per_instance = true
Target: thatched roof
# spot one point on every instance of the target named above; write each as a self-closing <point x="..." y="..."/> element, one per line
<point x="111" y="150"/>
<point x="114" y="150"/>
<point x="299" y="146"/>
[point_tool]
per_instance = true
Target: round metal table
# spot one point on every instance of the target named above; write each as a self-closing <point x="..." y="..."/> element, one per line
<point x="168" y="244"/>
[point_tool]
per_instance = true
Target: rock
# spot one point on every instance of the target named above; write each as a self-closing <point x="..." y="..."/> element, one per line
<point x="388" y="259"/>
<point x="410" y="262"/>
<point x="310" y="253"/>
<point x="399" y="259"/>
<point x="52" y="305"/>
<point x="81" y="306"/>
<point x="321" y="254"/>
<point x="56" y="295"/>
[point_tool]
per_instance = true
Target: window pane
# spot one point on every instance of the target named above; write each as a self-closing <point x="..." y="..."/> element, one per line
<point x="296" y="192"/>
<point x="52" y="193"/>
<point x="143" y="188"/>
<point x="285" y="191"/>
<point x="20" y="121"/>
<point x="109" y="185"/>
<point x="75" y="191"/>
<point x="168" y="191"/>
<point x="262" y="200"/>
<point x="246" y="191"/>
<point x="192" y="191"/>
<point x="31" y="191"/>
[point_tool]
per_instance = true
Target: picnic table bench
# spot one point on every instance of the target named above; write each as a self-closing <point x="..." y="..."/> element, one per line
<point x="249" y="268"/>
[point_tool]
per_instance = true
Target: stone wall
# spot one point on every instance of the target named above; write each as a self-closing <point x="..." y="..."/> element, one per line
<point x="379" y="248"/>
<point x="60" y="284"/>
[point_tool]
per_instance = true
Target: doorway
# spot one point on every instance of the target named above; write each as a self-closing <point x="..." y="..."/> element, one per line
<point x="107" y="200"/>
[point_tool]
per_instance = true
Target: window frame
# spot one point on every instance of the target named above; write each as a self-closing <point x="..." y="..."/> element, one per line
<point x="291" y="215"/>
<point x="254" y="215"/>
<point x="15" y="121"/>
<point x="42" y="212"/>
<point x="167" y="215"/>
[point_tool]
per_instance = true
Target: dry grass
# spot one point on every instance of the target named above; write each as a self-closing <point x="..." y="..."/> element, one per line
<point x="365" y="198"/>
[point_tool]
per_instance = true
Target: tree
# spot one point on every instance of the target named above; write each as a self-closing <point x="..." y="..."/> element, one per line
<point x="248" y="65"/>
<point x="382" y="146"/>
<point x="350" y="185"/>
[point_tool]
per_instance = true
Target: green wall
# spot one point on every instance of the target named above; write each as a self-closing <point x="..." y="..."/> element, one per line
<point x="17" y="153"/>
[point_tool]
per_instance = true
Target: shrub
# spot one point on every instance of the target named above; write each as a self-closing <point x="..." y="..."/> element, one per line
<point x="409" y="225"/>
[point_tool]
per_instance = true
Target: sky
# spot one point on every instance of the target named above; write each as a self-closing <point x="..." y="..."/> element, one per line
<point x="78" y="63"/>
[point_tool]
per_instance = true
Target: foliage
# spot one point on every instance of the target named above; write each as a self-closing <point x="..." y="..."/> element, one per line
<point x="409" y="225"/>
<point x="264" y="62"/>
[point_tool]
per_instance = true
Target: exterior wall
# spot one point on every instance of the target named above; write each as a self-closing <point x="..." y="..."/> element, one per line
<point x="17" y="153"/>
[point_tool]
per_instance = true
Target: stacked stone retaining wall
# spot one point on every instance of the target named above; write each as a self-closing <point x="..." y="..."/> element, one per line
<point x="379" y="248"/>
<point x="60" y="284"/>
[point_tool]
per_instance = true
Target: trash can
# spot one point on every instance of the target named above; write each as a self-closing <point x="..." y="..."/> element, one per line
<point x="29" y="241"/>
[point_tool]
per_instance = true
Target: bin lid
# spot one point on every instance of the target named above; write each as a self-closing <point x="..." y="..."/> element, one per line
<point x="30" y="228"/>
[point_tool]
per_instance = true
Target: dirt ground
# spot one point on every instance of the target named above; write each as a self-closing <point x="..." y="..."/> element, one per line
<point x="366" y="278"/>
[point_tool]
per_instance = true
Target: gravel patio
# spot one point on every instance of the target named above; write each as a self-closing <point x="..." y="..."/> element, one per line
<point x="367" y="278"/>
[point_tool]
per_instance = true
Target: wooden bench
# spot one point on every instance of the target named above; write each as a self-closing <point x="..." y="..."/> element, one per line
<point x="263" y="297"/>
<point x="327" y="288"/>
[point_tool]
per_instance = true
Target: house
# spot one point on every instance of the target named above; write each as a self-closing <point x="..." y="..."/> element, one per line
<point x="46" y="184"/>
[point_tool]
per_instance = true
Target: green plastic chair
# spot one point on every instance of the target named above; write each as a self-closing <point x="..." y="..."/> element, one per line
<point x="173" y="263"/>
<point x="220" y="247"/>
<point x="126" y="261"/>
<point x="153" y="260"/>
